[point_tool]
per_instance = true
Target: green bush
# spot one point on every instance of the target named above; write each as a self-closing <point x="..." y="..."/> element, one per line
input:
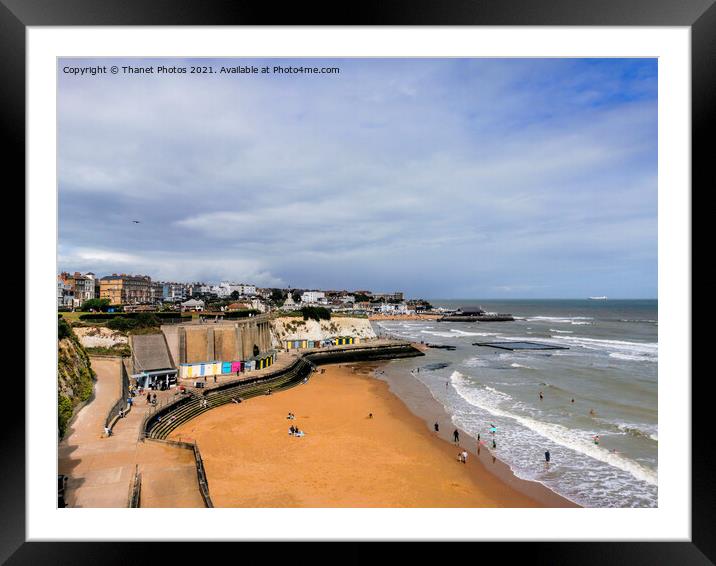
<point x="97" y="304"/>
<point x="63" y="329"/>
<point x="64" y="413"/>
<point x="316" y="313"/>
<point x="240" y="314"/>
<point x="122" y="324"/>
<point x="106" y="316"/>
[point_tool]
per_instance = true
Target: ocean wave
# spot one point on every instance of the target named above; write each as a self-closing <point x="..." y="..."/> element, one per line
<point x="515" y="365"/>
<point x="463" y="333"/>
<point x="578" y="441"/>
<point x="441" y="334"/>
<point x="476" y="362"/>
<point x="641" y="430"/>
<point x="620" y="349"/>
<point x="561" y="331"/>
<point x="562" y="319"/>
<point x="639" y="320"/>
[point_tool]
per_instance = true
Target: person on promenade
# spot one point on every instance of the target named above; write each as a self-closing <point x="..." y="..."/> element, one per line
<point x="456" y="436"/>
<point x="437" y="427"/>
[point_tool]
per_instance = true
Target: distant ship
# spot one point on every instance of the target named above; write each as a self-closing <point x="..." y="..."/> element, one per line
<point x="602" y="298"/>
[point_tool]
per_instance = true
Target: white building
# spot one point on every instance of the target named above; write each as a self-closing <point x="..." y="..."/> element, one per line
<point x="225" y="289"/>
<point x="313" y="297"/>
<point x="388" y="308"/>
<point x="64" y="293"/>
<point x="192" y="305"/>
<point x="289" y="303"/>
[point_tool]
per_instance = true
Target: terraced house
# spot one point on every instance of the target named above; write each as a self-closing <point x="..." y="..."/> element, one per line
<point x="125" y="289"/>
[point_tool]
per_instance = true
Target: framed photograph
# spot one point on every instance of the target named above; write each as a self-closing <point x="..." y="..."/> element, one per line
<point x="418" y="276"/>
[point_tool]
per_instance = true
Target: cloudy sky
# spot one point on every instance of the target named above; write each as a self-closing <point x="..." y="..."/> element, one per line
<point x="450" y="178"/>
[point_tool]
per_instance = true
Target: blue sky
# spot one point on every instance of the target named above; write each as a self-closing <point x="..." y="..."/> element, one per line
<point x="453" y="178"/>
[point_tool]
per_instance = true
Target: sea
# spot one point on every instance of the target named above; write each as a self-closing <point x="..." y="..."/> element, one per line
<point x="598" y="412"/>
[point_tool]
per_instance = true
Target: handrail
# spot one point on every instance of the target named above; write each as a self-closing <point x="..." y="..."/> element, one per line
<point x="200" y="471"/>
<point x="136" y="489"/>
<point x="122" y="402"/>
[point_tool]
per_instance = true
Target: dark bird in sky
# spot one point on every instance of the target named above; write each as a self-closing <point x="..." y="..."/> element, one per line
<point x="135" y="221"/>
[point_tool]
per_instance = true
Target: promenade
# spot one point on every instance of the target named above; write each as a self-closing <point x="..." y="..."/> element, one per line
<point x="101" y="470"/>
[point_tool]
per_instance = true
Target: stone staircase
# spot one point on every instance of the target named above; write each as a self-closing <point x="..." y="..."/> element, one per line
<point x="162" y="423"/>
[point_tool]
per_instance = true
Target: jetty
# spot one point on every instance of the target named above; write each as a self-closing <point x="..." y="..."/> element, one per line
<point x="520" y="345"/>
<point x="476" y="315"/>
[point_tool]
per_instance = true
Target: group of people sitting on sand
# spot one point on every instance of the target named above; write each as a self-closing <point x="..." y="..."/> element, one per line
<point x="295" y="431"/>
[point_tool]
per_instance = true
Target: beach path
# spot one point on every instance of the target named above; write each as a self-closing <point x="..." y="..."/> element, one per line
<point x="101" y="470"/>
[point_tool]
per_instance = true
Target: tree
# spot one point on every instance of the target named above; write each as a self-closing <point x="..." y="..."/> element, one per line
<point x="63" y="329"/>
<point x="235" y="295"/>
<point x="95" y="304"/>
<point x="316" y="313"/>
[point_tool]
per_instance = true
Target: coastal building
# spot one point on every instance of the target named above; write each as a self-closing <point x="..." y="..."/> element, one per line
<point x="193" y="305"/>
<point x="125" y="289"/>
<point x="396" y="296"/>
<point x="313" y="297"/>
<point x="173" y="292"/>
<point x="156" y="292"/>
<point x="65" y="296"/>
<point x="289" y="303"/>
<point x="95" y="281"/>
<point x="225" y="289"/>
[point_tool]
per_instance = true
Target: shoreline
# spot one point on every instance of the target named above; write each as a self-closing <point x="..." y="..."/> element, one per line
<point x="251" y="461"/>
<point x="420" y="401"/>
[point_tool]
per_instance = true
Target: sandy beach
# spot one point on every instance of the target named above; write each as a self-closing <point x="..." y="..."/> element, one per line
<point x="345" y="459"/>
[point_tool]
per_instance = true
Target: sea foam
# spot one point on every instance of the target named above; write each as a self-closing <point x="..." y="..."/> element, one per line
<point x="574" y="440"/>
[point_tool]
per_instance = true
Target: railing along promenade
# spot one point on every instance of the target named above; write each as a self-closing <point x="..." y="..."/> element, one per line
<point x="121" y="403"/>
<point x="135" y="492"/>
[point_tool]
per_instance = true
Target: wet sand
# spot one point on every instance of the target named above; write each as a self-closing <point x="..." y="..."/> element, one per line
<point x="346" y="459"/>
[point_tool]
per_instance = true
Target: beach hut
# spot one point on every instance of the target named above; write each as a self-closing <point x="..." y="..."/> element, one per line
<point x="235" y="366"/>
<point x="226" y="367"/>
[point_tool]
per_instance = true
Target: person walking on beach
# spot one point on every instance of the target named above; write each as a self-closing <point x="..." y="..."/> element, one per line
<point x="541" y="396"/>
<point x="437" y="427"/>
<point x="464" y="456"/>
<point x="456" y="436"/>
<point x="494" y="444"/>
<point x="546" y="457"/>
<point x="149" y="397"/>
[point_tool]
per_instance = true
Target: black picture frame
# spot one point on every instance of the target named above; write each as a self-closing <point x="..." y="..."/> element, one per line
<point x="699" y="15"/>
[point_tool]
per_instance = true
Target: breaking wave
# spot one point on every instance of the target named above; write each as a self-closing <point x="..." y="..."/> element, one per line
<point x="574" y="440"/>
